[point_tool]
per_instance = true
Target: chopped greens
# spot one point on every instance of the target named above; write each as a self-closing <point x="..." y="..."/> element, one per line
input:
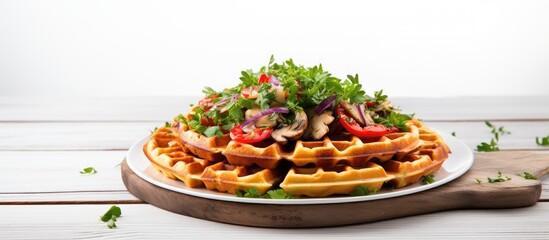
<point x="363" y="191"/>
<point x="428" y="179"/>
<point x="500" y="178"/>
<point x="544" y="141"/>
<point x="88" y="171"/>
<point x="493" y="145"/>
<point x="454" y="133"/>
<point x="272" y="194"/>
<point x="527" y="175"/>
<point x="111" y="215"/>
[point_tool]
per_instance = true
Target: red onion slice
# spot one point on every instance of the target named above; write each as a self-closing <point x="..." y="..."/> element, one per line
<point x="274" y="81"/>
<point x="225" y="100"/>
<point x="360" y="109"/>
<point x="325" y="104"/>
<point x="263" y="113"/>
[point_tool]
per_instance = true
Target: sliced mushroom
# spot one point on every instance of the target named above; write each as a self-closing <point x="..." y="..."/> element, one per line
<point x="265" y="121"/>
<point x="368" y="118"/>
<point x="352" y="110"/>
<point x="293" y="131"/>
<point x="318" y="124"/>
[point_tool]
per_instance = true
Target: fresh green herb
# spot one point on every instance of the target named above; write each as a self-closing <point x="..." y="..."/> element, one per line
<point x="428" y="179"/>
<point x="111" y="215"/>
<point x="209" y="91"/>
<point x="248" y="193"/>
<point x="272" y="194"/>
<point x="544" y="141"/>
<point x="154" y="130"/>
<point x="454" y="134"/>
<point x="363" y="191"/>
<point x="478" y="180"/>
<point x="496" y="131"/>
<point x="88" y="171"/>
<point x="485" y="147"/>
<point x="528" y="175"/>
<point x="167" y="124"/>
<point x="493" y="145"/>
<point x="500" y="178"/>
<point x="279" y="194"/>
<point x="213" y="131"/>
<point x="394" y="119"/>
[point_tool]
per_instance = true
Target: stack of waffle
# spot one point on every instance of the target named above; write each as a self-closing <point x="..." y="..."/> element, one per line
<point x="334" y="165"/>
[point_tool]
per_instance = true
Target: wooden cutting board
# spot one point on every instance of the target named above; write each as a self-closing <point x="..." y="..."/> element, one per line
<point x="462" y="193"/>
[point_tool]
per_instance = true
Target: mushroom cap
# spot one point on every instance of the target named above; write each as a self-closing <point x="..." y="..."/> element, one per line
<point x="293" y="131"/>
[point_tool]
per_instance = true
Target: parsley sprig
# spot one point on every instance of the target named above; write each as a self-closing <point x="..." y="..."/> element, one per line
<point x="88" y="171"/>
<point x="544" y="141"/>
<point x="272" y="194"/>
<point x="493" y="145"/>
<point x="363" y="191"/>
<point x="527" y="175"/>
<point x="499" y="178"/>
<point x="428" y="179"/>
<point x="111" y="215"/>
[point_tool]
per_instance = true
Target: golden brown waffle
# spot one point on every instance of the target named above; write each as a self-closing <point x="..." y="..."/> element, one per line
<point x="321" y="182"/>
<point x="229" y="178"/>
<point x="171" y="158"/>
<point x="329" y="152"/>
<point x="402" y="170"/>
<point x="426" y="160"/>
<point x="208" y="148"/>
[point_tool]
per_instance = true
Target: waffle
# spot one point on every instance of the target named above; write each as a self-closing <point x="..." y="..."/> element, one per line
<point x="175" y="161"/>
<point x="342" y="179"/>
<point x="329" y="152"/>
<point x="426" y="160"/>
<point x="402" y="170"/>
<point x="318" y="168"/>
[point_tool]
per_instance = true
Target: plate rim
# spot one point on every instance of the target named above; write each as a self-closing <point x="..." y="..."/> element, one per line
<point x="454" y="143"/>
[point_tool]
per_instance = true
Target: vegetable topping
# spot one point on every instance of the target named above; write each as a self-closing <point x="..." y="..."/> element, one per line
<point x="271" y="103"/>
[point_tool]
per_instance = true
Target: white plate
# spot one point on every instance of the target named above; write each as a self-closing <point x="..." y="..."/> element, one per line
<point x="456" y="165"/>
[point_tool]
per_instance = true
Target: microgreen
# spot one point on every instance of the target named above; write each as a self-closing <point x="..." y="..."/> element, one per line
<point x="111" y="215"/>
<point x="88" y="171"/>
<point x="272" y="194"/>
<point x="544" y="141"/>
<point x="394" y="119"/>
<point x="500" y="178"/>
<point x="493" y="145"/>
<point x="428" y="179"/>
<point x="363" y="191"/>
<point x="527" y="175"/>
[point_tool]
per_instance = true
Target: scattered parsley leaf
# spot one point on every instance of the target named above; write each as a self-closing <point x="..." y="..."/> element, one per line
<point x="528" y="175"/>
<point x="428" y="179"/>
<point x="111" y="215"/>
<point x="544" y="141"/>
<point x="500" y="178"/>
<point x="363" y="191"/>
<point x="279" y="194"/>
<point x="478" y="180"/>
<point x="272" y="194"/>
<point x="167" y="124"/>
<point x="394" y="119"/>
<point x="248" y="193"/>
<point x="154" y="130"/>
<point x="454" y="134"/>
<point x="88" y="171"/>
<point x="213" y="131"/>
<point x="485" y="147"/>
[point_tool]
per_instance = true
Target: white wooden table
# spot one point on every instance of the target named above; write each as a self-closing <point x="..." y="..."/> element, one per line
<point x="44" y="143"/>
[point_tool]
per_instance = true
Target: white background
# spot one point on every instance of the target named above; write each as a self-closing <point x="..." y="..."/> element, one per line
<point x="408" y="48"/>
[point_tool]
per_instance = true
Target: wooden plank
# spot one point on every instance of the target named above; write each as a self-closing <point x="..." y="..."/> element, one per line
<point x="121" y="135"/>
<point x="56" y="177"/>
<point x="159" y="109"/>
<point x="146" y="221"/>
<point x="43" y="172"/>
